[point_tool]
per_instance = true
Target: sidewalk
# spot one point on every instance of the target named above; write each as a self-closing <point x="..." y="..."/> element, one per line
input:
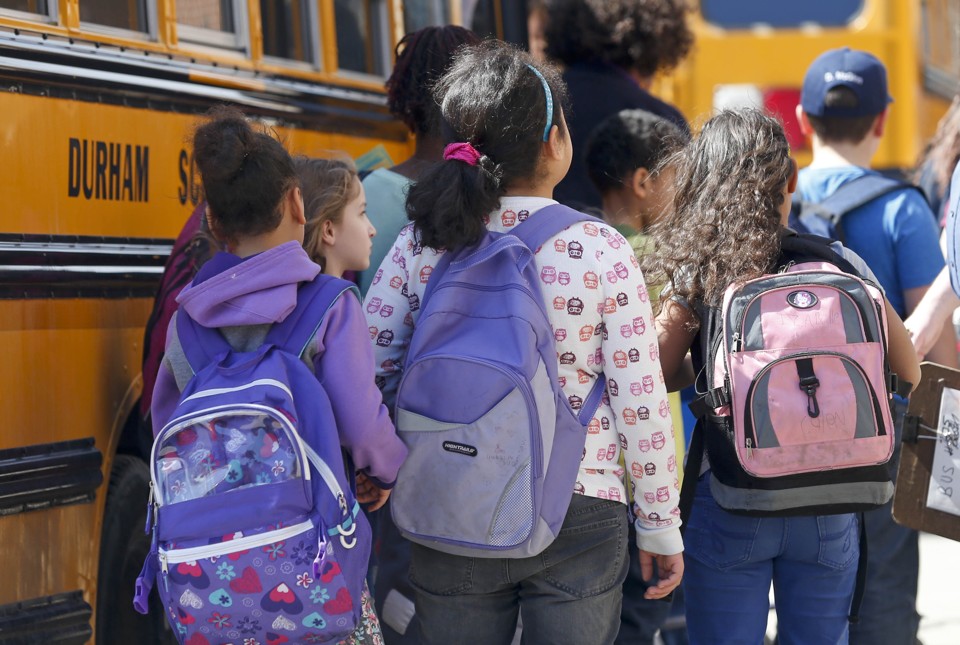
<point x="939" y="598"/>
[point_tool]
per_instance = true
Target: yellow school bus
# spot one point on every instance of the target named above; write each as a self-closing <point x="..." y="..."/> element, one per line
<point x="97" y="99"/>
<point x="755" y="52"/>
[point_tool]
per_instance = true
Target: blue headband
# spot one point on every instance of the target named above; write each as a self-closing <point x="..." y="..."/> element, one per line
<point x="546" y="90"/>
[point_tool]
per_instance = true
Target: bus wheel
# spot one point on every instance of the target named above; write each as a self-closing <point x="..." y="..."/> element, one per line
<point x="123" y="547"/>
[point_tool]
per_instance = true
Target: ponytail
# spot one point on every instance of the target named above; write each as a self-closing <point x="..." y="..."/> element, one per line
<point x="496" y="106"/>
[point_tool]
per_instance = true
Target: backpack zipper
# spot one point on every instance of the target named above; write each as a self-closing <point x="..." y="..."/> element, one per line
<point x="197" y="553"/>
<point x="752" y="440"/>
<point x="742" y="312"/>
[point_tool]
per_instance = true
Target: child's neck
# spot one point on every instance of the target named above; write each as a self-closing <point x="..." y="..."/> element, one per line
<point x="840" y="154"/>
<point x="619" y="210"/>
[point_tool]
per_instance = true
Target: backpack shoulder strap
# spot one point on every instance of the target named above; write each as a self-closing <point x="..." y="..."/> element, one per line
<point x="854" y="194"/>
<point x="314" y="300"/>
<point x="200" y="345"/>
<point x="795" y="245"/>
<point x="547" y="222"/>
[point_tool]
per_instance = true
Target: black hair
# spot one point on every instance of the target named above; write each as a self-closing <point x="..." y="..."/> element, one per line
<point x="245" y="174"/>
<point x="840" y="129"/>
<point x="626" y="141"/>
<point x="642" y="35"/>
<point x="493" y="100"/>
<point x="421" y="58"/>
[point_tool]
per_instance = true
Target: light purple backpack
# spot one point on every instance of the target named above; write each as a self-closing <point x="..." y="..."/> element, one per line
<point x="494" y="444"/>
<point x="256" y="532"/>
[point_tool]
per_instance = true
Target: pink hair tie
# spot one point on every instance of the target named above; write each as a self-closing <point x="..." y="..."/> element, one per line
<point x="462" y="152"/>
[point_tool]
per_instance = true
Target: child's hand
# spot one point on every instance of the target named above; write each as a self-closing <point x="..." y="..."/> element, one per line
<point x="369" y="494"/>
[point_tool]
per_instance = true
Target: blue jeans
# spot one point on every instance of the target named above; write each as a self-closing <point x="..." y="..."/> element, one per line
<point x="888" y="615"/>
<point x="732" y="559"/>
<point x="570" y="593"/>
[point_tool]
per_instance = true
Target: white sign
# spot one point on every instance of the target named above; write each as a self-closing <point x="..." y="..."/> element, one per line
<point x="944" y="491"/>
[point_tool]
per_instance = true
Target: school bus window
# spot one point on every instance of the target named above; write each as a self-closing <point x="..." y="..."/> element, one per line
<point x="733" y="14"/>
<point x="212" y="22"/>
<point x="26" y="6"/>
<point x="362" y="36"/>
<point x="418" y="14"/>
<point x="288" y="26"/>
<point x="122" y="14"/>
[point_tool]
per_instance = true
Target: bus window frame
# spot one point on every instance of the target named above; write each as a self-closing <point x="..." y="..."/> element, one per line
<point x="316" y="45"/>
<point x="388" y="16"/>
<point x="150" y="35"/>
<point x="52" y="16"/>
<point x="203" y="39"/>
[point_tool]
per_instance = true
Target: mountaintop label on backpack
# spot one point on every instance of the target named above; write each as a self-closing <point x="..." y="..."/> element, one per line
<point x="801" y="299"/>
<point x="460" y="448"/>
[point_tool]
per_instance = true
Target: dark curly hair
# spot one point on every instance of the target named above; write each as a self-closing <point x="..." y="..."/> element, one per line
<point x="642" y="35"/>
<point x="245" y="174"/>
<point x="492" y="99"/>
<point x="626" y="141"/>
<point x="421" y="58"/>
<point x="726" y="222"/>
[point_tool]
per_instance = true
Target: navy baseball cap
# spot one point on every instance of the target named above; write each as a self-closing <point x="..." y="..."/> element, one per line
<point x="859" y="71"/>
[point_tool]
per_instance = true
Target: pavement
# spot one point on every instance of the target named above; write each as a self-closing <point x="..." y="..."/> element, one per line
<point x="938" y="600"/>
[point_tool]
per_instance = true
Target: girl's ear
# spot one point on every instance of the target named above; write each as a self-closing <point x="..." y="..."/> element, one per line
<point x="212" y="225"/>
<point x="296" y="205"/>
<point x="328" y="233"/>
<point x="794" y="177"/>
<point x="555" y="144"/>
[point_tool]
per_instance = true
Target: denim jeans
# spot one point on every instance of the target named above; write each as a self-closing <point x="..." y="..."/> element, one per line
<point x="888" y="615"/>
<point x="731" y="561"/>
<point x="570" y="593"/>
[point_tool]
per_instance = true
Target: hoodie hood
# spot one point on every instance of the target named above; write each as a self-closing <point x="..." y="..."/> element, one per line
<point x="261" y="289"/>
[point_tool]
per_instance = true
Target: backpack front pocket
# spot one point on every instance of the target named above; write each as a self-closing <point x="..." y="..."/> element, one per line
<point x="810" y="412"/>
<point x="262" y="586"/>
<point x="472" y="482"/>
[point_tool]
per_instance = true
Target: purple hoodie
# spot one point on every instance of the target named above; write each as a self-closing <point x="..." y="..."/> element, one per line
<point x="243" y="297"/>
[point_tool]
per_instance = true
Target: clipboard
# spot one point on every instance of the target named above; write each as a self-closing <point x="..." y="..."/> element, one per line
<point x="916" y="456"/>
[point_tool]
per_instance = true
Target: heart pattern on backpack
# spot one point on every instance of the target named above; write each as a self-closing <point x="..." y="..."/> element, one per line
<point x="189" y="573"/>
<point x="281" y="598"/>
<point x="248" y="582"/>
<point x="341" y="604"/>
<point x="197" y="639"/>
<point x="276" y="639"/>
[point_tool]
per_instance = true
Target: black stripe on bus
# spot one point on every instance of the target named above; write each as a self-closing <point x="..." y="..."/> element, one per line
<point x="49" y="474"/>
<point x="75" y="266"/>
<point x="156" y="83"/>
<point x="62" y="618"/>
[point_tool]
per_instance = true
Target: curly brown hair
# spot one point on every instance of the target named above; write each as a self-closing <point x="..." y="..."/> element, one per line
<point x="726" y="221"/>
<point x="642" y="35"/>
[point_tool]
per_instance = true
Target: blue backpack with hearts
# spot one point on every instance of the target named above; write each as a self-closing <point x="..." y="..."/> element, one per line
<point x="256" y="531"/>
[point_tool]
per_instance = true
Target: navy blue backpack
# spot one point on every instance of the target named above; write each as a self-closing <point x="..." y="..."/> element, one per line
<point x="825" y="218"/>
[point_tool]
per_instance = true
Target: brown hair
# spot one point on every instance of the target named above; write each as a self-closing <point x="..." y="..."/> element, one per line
<point x="726" y="221"/>
<point x="943" y="151"/>
<point x="328" y="185"/>
<point x="841" y="129"/>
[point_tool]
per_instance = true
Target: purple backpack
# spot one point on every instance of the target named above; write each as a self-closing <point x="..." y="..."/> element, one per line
<point x="494" y="445"/>
<point x="796" y="413"/>
<point x="256" y="532"/>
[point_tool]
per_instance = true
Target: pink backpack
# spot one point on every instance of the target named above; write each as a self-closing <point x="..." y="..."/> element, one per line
<point x="797" y="413"/>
